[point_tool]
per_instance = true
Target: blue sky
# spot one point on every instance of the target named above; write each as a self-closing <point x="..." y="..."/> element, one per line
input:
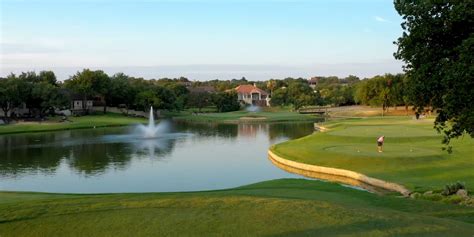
<point x="201" y="39"/>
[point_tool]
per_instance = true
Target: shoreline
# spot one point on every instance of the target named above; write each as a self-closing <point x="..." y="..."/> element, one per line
<point x="65" y="129"/>
<point x="340" y="175"/>
<point x="243" y="121"/>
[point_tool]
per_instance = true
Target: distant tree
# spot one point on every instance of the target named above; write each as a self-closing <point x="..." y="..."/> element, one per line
<point x="300" y="94"/>
<point x="302" y="100"/>
<point x="226" y="101"/>
<point x="387" y="90"/>
<point x="279" y="97"/>
<point x="10" y="94"/>
<point x="90" y="83"/>
<point x="351" y="79"/>
<point x="81" y="83"/>
<point x="48" y="77"/>
<point x="199" y="100"/>
<point x="42" y="93"/>
<point x="180" y="93"/>
<point x="120" y="91"/>
<point x="271" y="85"/>
<point x="437" y="47"/>
<point x="47" y="97"/>
<point x="148" y="98"/>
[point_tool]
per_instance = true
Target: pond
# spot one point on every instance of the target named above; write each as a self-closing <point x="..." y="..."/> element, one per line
<point x="189" y="157"/>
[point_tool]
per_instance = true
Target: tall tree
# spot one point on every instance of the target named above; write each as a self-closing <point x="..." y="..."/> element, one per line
<point x="10" y="94"/>
<point x="226" y="101"/>
<point x="437" y="46"/>
<point x="300" y="94"/>
<point x="90" y="83"/>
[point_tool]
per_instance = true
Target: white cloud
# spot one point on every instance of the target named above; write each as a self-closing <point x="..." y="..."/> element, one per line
<point x="380" y="19"/>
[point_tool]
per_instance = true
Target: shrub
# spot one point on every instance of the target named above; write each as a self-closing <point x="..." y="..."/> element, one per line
<point x="451" y="189"/>
<point x="455" y="199"/>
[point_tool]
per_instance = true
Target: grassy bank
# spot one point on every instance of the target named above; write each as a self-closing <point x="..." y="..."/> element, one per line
<point x="412" y="153"/>
<point x="245" y="116"/>
<point x="53" y="124"/>
<point x="287" y="207"/>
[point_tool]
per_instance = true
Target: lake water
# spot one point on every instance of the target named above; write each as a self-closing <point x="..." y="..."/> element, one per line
<point x="189" y="157"/>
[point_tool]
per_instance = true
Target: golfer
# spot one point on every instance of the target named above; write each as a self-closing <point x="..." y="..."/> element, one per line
<point x="380" y="141"/>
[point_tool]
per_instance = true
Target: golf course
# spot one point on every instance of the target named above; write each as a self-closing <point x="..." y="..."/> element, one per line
<point x="84" y="122"/>
<point x="412" y="153"/>
<point x="285" y="207"/>
<point x="242" y="116"/>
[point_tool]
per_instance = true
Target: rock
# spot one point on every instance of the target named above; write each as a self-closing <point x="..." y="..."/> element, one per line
<point x="428" y="193"/>
<point x="462" y="193"/>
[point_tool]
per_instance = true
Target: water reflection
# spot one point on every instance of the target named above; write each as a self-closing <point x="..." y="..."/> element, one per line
<point x="196" y="156"/>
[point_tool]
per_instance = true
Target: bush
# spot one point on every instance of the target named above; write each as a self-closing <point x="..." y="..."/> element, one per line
<point x="455" y="199"/>
<point x="226" y="102"/>
<point x="451" y="189"/>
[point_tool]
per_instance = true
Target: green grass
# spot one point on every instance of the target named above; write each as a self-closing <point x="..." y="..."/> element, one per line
<point x="288" y="207"/>
<point x="412" y="152"/>
<point x="245" y="116"/>
<point x="90" y="121"/>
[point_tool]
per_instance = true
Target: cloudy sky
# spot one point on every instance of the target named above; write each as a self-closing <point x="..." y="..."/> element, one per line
<point x="201" y="39"/>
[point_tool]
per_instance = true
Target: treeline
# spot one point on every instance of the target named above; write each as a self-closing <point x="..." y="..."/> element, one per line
<point x="42" y="92"/>
<point x="385" y="91"/>
<point x="318" y="91"/>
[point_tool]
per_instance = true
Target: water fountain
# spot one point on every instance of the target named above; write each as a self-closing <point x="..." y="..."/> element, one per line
<point x="151" y="130"/>
<point x="253" y="108"/>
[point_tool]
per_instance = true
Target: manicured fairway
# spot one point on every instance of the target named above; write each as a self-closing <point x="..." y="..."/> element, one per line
<point x="89" y="121"/>
<point x="412" y="153"/>
<point x="288" y="207"/>
<point x="245" y="116"/>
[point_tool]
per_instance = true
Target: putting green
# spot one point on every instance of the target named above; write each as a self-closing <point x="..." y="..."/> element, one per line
<point x="412" y="156"/>
<point x="386" y="130"/>
<point x="389" y="151"/>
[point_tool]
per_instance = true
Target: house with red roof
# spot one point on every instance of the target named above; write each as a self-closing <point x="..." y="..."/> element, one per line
<point x="252" y="95"/>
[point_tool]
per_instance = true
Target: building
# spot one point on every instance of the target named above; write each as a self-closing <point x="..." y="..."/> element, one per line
<point x="252" y="95"/>
<point x="313" y="82"/>
<point x="79" y="105"/>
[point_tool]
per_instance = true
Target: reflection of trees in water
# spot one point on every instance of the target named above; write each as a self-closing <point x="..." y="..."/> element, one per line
<point x="42" y="153"/>
<point x="251" y="130"/>
<point x="15" y="162"/>
<point x="208" y="129"/>
<point x="82" y="151"/>
<point x="289" y="130"/>
<point x="274" y="130"/>
<point x="95" y="159"/>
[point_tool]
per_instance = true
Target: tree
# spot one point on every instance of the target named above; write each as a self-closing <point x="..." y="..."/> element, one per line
<point x="300" y="94"/>
<point x="90" y="83"/>
<point x="81" y="83"/>
<point x="120" y="90"/>
<point x="101" y="86"/>
<point x="41" y="92"/>
<point x="226" y="101"/>
<point x="148" y="98"/>
<point x="279" y="97"/>
<point x="436" y="45"/>
<point x="199" y="100"/>
<point x="10" y="94"/>
<point x="271" y="85"/>
<point x="47" y="97"/>
<point x="180" y="93"/>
